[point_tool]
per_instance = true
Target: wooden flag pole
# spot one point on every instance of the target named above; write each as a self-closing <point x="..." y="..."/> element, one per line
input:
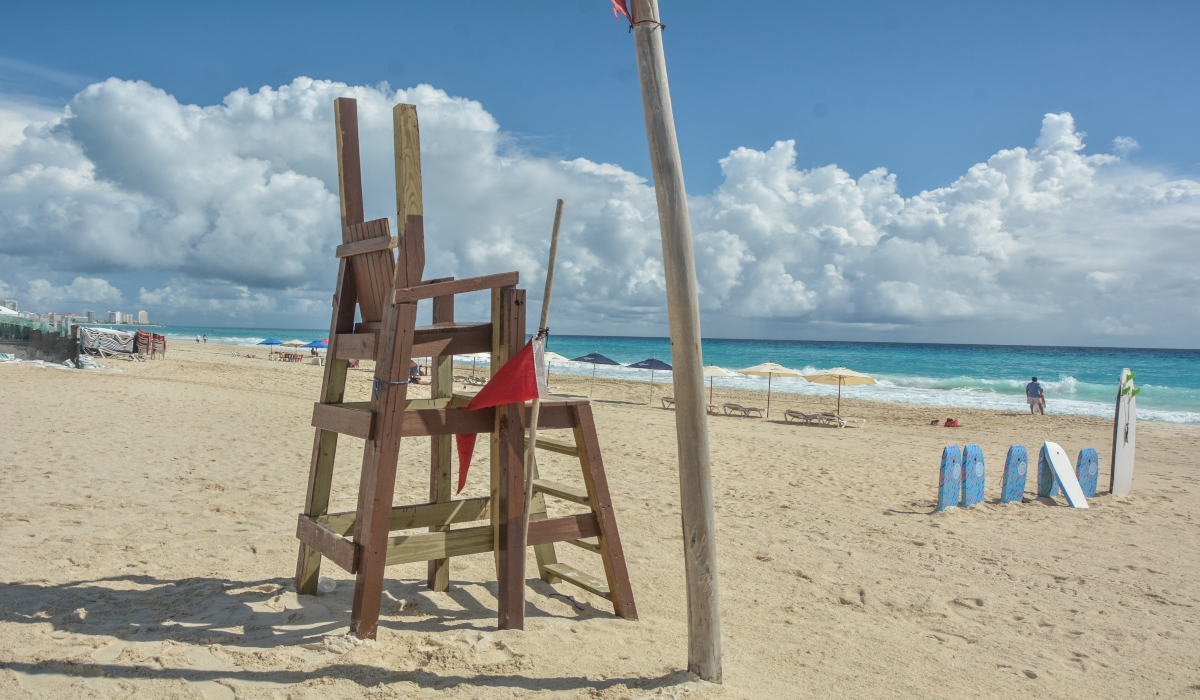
<point x="683" y="306"/>
<point x="531" y="446"/>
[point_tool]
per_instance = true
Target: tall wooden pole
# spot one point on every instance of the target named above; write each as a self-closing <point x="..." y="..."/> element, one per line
<point x="543" y="330"/>
<point x="683" y="306"/>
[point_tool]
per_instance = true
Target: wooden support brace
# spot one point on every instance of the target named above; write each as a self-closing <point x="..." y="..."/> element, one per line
<point x="470" y="284"/>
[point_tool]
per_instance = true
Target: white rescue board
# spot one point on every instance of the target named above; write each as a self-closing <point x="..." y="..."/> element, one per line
<point x="1124" y="437"/>
<point x="1065" y="474"/>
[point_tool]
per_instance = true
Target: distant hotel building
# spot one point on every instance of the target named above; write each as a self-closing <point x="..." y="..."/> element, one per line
<point x="143" y="317"/>
<point x="113" y="317"/>
<point x="10" y="304"/>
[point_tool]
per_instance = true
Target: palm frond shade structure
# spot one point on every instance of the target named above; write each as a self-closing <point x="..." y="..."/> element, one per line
<point x="715" y="371"/>
<point x="842" y="377"/>
<point x="770" y="370"/>
<point x="596" y="359"/>
<point x="653" y="365"/>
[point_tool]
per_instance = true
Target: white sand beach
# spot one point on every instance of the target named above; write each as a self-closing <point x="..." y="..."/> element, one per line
<point x="147" y="548"/>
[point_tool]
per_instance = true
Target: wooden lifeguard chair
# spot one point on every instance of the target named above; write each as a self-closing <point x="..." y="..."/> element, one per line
<point x="368" y="539"/>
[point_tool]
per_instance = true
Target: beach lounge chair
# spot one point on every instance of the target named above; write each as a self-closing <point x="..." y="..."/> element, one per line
<point x="744" y="410"/>
<point x="810" y="418"/>
<point x="669" y="402"/>
<point x="843" y="421"/>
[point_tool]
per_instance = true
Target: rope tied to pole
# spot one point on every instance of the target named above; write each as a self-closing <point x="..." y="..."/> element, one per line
<point x="380" y="382"/>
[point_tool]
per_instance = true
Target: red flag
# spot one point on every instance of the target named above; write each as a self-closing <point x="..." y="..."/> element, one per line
<point x="516" y="382"/>
<point x="466" y="448"/>
<point x="521" y="379"/>
<point x="621" y="7"/>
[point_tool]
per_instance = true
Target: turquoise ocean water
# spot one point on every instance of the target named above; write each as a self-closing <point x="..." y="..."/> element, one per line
<point x="1081" y="381"/>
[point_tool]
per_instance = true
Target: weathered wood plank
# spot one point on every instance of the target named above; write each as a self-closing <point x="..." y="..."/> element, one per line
<point x="454" y="421"/>
<point x="340" y="419"/>
<point x="510" y="467"/>
<point x="544" y="553"/>
<point x="683" y="310"/>
<point x="562" y="448"/>
<point x="377" y="484"/>
<point x="611" y="552"/>
<point x="428" y="341"/>
<point x="372" y="271"/>
<point x="420" y="515"/>
<point x="345" y="298"/>
<point x="337" y="549"/>
<point x="368" y="245"/>
<point x="442" y="388"/>
<point x="353" y="346"/>
<point x="590" y="544"/>
<point x="426" y="546"/>
<point x="569" y="527"/>
<point x="470" y="284"/>
<point x="563" y="491"/>
<point x="587" y="582"/>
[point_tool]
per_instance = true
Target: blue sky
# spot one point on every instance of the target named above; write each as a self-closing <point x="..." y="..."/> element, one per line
<point x="1055" y="145"/>
<point x="925" y="89"/>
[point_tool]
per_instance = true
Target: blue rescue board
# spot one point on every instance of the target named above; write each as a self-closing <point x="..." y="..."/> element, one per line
<point x="1016" y="466"/>
<point x="950" y="480"/>
<point x="1047" y="485"/>
<point x="1087" y="468"/>
<point x="972" y="476"/>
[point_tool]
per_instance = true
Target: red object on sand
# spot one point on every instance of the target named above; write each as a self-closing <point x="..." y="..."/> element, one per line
<point x="951" y="422"/>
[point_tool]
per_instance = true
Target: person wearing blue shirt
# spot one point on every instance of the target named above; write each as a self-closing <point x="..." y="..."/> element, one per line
<point x="1035" y="396"/>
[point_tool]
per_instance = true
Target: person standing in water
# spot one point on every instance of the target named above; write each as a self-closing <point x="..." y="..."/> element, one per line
<point x="1035" y="396"/>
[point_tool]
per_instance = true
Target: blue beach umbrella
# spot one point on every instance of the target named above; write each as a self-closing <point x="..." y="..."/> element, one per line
<point x="271" y="341"/>
<point x="596" y="359"/>
<point x="319" y="344"/>
<point x="651" y="364"/>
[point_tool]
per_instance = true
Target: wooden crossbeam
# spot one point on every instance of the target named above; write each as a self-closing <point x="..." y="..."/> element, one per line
<point x="331" y="545"/>
<point x="470" y="284"/>
<point x="336" y="418"/>
<point x="428" y="341"/>
<point x="369" y="245"/>
<point x="426" y="546"/>
<point x="562" y="448"/>
<point x="569" y="527"/>
<point x="415" y="516"/>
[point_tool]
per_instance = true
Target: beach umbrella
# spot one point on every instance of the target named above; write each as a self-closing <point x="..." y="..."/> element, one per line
<point x="715" y="371"/>
<point x="271" y="341"/>
<point x="551" y="356"/>
<point x="769" y="370"/>
<point x="318" y="344"/>
<point x="293" y="344"/>
<point x="652" y="365"/>
<point x="842" y="377"/>
<point x="596" y="359"/>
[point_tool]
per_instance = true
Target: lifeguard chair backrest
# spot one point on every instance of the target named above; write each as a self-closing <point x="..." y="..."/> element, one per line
<point x="374" y="271"/>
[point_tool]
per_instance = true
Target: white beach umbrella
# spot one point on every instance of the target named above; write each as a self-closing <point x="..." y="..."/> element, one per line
<point x="294" y="344"/>
<point x="715" y="371"/>
<point x="769" y="370"/>
<point x="842" y="377"/>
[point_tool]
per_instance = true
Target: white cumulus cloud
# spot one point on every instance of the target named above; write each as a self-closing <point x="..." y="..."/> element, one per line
<point x="235" y="206"/>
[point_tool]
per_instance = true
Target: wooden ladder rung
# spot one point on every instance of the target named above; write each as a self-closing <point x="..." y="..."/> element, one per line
<point x="591" y="544"/>
<point x="567" y="493"/>
<point x="562" y="448"/>
<point x="587" y="582"/>
<point x="428" y="341"/>
<point x="343" y="419"/>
